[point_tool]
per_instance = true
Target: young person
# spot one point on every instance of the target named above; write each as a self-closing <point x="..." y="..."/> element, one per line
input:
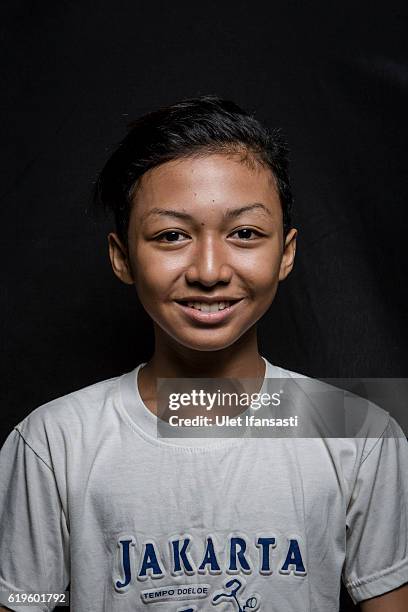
<point x="89" y="493"/>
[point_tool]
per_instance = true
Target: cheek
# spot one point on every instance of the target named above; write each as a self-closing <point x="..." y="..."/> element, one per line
<point x="154" y="275"/>
<point x="266" y="288"/>
<point x="151" y="286"/>
<point x="261" y="271"/>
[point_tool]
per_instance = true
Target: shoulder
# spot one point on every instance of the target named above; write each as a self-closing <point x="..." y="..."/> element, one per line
<point x="66" y="418"/>
<point x="334" y="411"/>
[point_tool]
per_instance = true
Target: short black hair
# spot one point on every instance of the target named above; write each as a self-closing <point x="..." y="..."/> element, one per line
<point x="195" y="126"/>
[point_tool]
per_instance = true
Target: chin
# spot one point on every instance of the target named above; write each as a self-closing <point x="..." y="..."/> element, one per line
<point x="206" y="345"/>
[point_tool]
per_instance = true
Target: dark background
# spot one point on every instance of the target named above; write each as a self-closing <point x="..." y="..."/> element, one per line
<point x="334" y="76"/>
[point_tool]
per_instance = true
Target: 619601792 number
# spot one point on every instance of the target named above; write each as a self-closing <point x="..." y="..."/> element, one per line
<point x="20" y="597"/>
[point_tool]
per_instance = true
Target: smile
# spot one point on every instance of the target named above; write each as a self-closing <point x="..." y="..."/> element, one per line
<point x="208" y="313"/>
<point x="204" y="307"/>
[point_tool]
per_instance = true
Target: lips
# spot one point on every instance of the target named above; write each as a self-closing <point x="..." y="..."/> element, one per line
<point x="212" y="313"/>
<point x="210" y="306"/>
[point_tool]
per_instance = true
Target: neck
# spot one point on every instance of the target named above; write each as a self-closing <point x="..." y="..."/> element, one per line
<point x="171" y="360"/>
<point x="240" y="360"/>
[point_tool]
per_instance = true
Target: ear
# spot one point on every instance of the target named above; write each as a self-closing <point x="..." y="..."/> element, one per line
<point x="119" y="259"/>
<point x="288" y="257"/>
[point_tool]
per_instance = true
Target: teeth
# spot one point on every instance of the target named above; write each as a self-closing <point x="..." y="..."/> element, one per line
<point x="215" y="307"/>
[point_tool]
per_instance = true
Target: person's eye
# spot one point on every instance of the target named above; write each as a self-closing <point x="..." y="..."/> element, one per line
<point x="244" y="233"/>
<point x="172" y="236"/>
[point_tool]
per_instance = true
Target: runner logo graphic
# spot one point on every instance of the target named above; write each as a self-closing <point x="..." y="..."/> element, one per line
<point x="230" y="594"/>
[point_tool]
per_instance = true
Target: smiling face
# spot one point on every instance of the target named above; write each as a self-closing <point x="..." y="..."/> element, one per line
<point x="204" y="230"/>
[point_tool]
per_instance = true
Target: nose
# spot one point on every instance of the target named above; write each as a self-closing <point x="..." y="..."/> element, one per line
<point x="210" y="262"/>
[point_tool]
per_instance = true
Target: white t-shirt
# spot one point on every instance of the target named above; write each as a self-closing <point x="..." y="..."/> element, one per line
<point x="90" y="496"/>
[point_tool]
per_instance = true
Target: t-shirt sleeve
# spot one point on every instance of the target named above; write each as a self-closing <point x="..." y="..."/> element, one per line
<point x="377" y="519"/>
<point x="34" y="537"/>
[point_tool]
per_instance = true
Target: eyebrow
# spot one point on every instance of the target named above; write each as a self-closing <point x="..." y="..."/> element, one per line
<point x="230" y="213"/>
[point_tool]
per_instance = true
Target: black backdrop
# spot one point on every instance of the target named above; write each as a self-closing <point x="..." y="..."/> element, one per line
<point x="334" y="76"/>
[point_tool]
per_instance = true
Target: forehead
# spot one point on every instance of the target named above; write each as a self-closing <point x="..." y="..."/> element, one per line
<point x="206" y="183"/>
